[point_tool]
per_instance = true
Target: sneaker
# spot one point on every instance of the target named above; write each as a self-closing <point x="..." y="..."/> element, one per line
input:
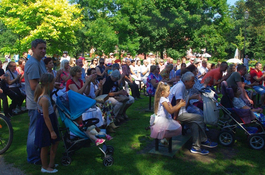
<point x="99" y="141"/>
<point x="209" y="144"/>
<point x="109" y="137"/>
<point x="200" y="151"/>
<point x="15" y="111"/>
<point x="47" y="171"/>
<point x="23" y="108"/>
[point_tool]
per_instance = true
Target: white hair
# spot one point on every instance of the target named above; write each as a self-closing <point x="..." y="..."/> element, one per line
<point x="187" y="76"/>
<point x="63" y="64"/>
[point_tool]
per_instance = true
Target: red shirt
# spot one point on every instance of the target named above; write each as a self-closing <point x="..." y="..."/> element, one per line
<point x="253" y="73"/>
<point x="71" y="81"/>
<point x="215" y="74"/>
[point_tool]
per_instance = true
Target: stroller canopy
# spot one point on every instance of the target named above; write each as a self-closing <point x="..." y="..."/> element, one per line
<point x="74" y="104"/>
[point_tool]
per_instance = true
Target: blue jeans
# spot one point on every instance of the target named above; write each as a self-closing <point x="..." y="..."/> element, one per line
<point x="32" y="150"/>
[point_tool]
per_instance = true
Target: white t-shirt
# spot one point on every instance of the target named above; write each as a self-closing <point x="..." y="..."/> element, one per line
<point x="143" y="69"/>
<point x="202" y="70"/>
<point x="179" y="91"/>
<point x="161" y="110"/>
<point x="246" y="60"/>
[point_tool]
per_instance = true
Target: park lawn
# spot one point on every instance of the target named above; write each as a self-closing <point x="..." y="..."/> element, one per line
<point x="129" y="141"/>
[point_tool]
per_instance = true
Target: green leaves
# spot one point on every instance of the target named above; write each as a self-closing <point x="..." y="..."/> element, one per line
<point x="54" y="21"/>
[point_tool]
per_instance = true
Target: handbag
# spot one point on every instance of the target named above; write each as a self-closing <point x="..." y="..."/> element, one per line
<point x="102" y="98"/>
<point x="122" y="98"/>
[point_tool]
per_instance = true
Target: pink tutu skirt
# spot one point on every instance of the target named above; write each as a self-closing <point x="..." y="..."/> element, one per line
<point x="165" y="128"/>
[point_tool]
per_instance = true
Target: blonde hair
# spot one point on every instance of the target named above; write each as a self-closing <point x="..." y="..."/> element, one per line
<point x="160" y="88"/>
<point x="44" y="83"/>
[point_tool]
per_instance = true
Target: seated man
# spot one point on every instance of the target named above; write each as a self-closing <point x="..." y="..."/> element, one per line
<point x="119" y="108"/>
<point x="258" y="77"/>
<point x="216" y="75"/>
<point x="235" y="79"/>
<point x="128" y="78"/>
<point x="145" y="70"/>
<point x="178" y="72"/>
<point x="195" y="121"/>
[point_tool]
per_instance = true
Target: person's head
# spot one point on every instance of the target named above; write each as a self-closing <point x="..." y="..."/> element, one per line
<point x="193" y="69"/>
<point x="213" y="66"/>
<point x="161" y="62"/>
<point x="247" y="77"/>
<point x="231" y="68"/>
<point x="133" y="62"/>
<point x="76" y="71"/>
<point x="258" y="66"/>
<point x="48" y="62"/>
<point x="188" y="80"/>
<point x="21" y="63"/>
<point x="25" y="54"/>
<point x="138" y="62"/>
<point x="115" y="66"/>
<point x="223" y="66"/>
<point x="79" y="63"/>
<point x="64" y="65"/>
<point x="154" y="69"/>
<point x="204" y="64"/>
<point x="183" y="60"/>
<point x="115" y="75"/>
<point x="1" y="64"/>
<point x="162" y="90"/>
<point x="171" y="61"/>
<point x="95" y="61"/>
<point x="241" y="69"/>
<point x="183" y="66"/>
<point x="91" y="71"/>
<point x="45" y="86"/>
<point x="101" y="62"/>
<point x="11" y="66"/>
<point x="169" y="67"/>
<point x="191" y="60"/>
<point x="128" y="62"/>
<point x="38" y="47"/>
<point x="246" y="56"/>
<point x="178" y="61"/>
<point x="30" y="52"/>
<point x="236" y="91"/>
<point x="145" y="62"/>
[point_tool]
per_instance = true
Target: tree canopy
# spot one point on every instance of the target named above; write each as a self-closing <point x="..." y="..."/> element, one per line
<point x="55" y="21"/>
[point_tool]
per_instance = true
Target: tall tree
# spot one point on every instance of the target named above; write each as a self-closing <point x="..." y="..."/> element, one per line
<point x="55" y="21"/>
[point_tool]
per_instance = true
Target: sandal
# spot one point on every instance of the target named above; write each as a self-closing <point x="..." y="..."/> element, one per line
<point x="109" y="137"/>
<point x="99" y="141"/>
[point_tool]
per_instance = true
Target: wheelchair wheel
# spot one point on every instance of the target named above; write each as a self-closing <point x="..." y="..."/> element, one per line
<point x="66" y="160"/>
<point x="226" y="138"/>
<point x="256" y="141"/>
<point x="6" y="134"/>
<point x="108" y="160"/>
<point x="110" y="150"/>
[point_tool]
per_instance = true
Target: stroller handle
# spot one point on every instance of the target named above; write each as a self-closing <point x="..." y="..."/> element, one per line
<point x="91" y="121"/>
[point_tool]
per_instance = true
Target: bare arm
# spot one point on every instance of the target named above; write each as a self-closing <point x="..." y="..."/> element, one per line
<point x="9" y="81"/>
<point x="172" y="109"/>
<point x="154" y="83"/>
<point x="44" y="103"/>
<point x="33" y="83"/>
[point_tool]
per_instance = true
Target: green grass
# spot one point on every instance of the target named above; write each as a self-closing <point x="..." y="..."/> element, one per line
<point x="128" y="141"/>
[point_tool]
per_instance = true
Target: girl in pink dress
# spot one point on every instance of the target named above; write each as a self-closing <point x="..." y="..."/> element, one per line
<point x="164" y="126"/>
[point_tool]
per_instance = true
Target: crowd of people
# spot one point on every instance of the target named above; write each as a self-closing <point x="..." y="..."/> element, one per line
<point x="40" y="79"/>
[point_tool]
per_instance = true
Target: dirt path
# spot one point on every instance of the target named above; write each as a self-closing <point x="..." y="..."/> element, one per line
<point x="8" y="169"/>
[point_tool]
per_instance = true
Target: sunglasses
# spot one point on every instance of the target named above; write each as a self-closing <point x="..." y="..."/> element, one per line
<point x="101" y="62"/>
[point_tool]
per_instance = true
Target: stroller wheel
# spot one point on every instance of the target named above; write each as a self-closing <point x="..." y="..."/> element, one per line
<point x="256" y="141"/>
<point x="66" y="160"/>
<point x="226" y="138"/>
<point x="108" y="160"/>
<point x="110" y="150"/>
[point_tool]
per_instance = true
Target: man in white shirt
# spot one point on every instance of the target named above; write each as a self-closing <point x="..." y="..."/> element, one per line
<point x="202" y="70"/>
<point x="145" y="70"/>
<point x="190" y="62"/>
<point x="195" y="121"/>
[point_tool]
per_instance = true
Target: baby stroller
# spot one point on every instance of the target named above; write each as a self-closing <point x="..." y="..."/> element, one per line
<point x="234" y="118"/>
<point x="70" y="106"/>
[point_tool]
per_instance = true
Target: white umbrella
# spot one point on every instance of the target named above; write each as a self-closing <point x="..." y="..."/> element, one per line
<point x="206" y="55"/>
<point x="234" y="60"/>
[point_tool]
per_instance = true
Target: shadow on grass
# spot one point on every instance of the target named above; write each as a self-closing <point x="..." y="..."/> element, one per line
<point x="129" y="141"/>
